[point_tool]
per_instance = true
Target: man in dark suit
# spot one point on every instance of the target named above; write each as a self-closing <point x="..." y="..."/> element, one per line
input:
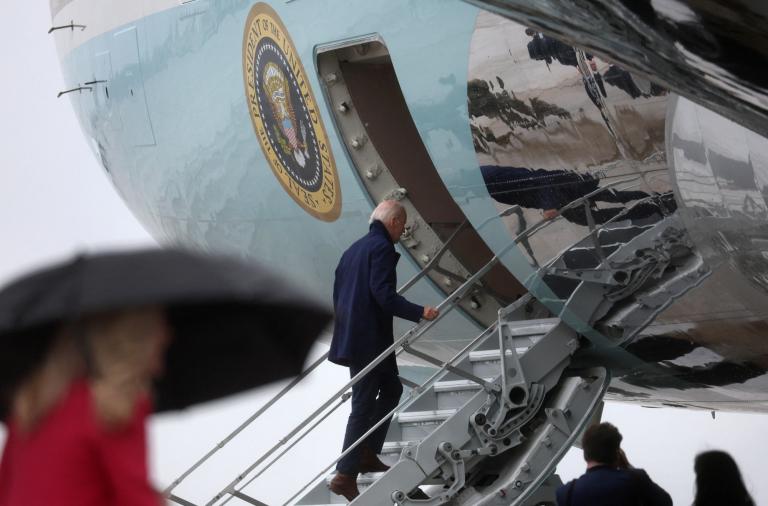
<point x="365" y="300"/>
<point x="610" y="480"/>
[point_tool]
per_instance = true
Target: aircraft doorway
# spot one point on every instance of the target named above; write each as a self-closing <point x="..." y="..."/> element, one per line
<point x="384" y="145"/>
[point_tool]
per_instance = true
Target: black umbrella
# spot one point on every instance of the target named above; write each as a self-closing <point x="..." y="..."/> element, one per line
<point x="235" y="325"/>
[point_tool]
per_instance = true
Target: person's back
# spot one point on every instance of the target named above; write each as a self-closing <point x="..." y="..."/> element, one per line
<point x="76" y="424"/>
<point x="718" y="481"/>
<point x="537" y="49"/>
<point x="68" y="459"/>
<point x="610" y="480"/>
<point x="560" y="51"/>
<point x="344" y="299"/>
<point x="610" y="486"/>
<point x="365" y="299"/>
<point x="531" y="188"/>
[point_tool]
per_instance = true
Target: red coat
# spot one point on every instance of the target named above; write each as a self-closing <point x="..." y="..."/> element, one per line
<point x="71" y="460"/>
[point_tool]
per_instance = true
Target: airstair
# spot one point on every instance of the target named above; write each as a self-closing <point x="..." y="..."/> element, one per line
<point x="476" y="436"/>
<point x="490" y="424"/>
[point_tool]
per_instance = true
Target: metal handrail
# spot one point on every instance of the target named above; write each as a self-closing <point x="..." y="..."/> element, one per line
<point x="402" y="344"/>
<point x="410" y="283"/>
<point x="409" y="337"/>
<point x="244" y="425"/>
<point x="409" y="384"/>
<point x="428" y="383"/>
<point x="257" y="414"/>
<point x="415" y="390"/>
<point x="620" y="214"/>
<point x="309" y="430"/>
<point x="435" y="259"/>
<point x="594" y="230"/>
<point x="541" y="224"/>
<point x="516" y="209"/>
<point x="413" y="334"/>
<point x="527" y="233"/>
<point x="250" y="420"/>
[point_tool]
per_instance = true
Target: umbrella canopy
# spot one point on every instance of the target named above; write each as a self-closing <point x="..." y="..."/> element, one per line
<point x="235" y="325"/>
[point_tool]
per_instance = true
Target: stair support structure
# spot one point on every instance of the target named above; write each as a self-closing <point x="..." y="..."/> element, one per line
<point x="514" y="406"/>
<point x="490" y="426"/>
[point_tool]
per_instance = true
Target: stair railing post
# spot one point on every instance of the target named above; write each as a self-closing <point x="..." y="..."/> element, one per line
<point x="591" y="223"/>
<point x="243" y="426"/>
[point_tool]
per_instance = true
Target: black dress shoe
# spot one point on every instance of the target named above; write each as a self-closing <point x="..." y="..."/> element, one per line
<point x="345" y="485"/>
<point x="370" y="463"/>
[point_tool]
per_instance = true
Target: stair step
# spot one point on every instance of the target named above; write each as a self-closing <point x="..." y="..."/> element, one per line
<point x="454" y="394"/>
<point x="367" y="479"/>
<point x="417" y="425"/>
<point x="432" y="416"/>
<point x="363" y="480"/>
<point x="486" y="363"/>
<point x="437" y="406"/>
<point x="320" y="493"/>
<point x="394" y="446"/>
<point x="493" y="355"/>
<point x="392" y="450"/>
<point x="526" y="328"/>
<point x="458" y="385"/>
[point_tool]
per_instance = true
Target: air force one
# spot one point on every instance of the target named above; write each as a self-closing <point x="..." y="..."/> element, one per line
<point x="566" y="201"/>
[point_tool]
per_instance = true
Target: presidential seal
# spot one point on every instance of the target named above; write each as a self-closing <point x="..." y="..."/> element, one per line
<point x="285" y="116"/>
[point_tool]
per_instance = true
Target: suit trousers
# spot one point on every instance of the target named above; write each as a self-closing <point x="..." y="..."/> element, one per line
<point x="373" y="397"/>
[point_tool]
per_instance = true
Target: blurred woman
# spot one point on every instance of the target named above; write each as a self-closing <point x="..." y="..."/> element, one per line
<point x="76" y="433"/>
<point x="718" y="481"/>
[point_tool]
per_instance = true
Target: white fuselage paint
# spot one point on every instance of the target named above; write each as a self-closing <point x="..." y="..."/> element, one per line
<point x="101" y="16"/>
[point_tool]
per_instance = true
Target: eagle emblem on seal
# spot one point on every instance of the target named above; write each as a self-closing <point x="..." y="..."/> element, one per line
<point x="285" y="116"/>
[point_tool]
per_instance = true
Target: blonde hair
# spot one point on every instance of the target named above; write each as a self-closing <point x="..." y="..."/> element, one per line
<point x="118" y="353"/>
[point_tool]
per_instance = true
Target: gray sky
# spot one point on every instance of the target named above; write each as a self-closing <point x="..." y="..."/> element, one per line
<point x="55" y="199"/>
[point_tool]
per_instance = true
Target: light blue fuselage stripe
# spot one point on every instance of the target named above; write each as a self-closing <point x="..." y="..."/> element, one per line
<point x="177" y="139"/>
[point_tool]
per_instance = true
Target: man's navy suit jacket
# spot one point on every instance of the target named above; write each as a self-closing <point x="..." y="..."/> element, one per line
<point x="365" y="299"/>
<point x="609" y="486"/>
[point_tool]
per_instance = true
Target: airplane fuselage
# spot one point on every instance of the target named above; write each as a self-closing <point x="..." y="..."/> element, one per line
<point x="271" y="129"/>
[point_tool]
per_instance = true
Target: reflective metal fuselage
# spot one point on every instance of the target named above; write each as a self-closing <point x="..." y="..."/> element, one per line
<point x="508" y="116"/>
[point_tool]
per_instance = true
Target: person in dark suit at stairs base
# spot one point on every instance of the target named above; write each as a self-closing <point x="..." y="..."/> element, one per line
<point x="610" y="480"/>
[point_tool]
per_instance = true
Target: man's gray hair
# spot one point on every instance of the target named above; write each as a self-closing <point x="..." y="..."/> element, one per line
<point x="387" y="210"/>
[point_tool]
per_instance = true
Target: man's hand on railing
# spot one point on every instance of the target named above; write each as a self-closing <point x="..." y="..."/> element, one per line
<point x="430" y="313"/>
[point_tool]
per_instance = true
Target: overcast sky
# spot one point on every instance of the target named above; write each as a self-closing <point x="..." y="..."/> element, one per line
<point x="55" y="199"/>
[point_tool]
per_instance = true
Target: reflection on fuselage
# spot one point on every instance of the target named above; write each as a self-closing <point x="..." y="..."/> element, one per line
<point x="193" y="172"/>
<point x="550" y="50"/>
<point x="712" y="369"/>
<point x="551" y="124"/>
<point x="549" y="190"/>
